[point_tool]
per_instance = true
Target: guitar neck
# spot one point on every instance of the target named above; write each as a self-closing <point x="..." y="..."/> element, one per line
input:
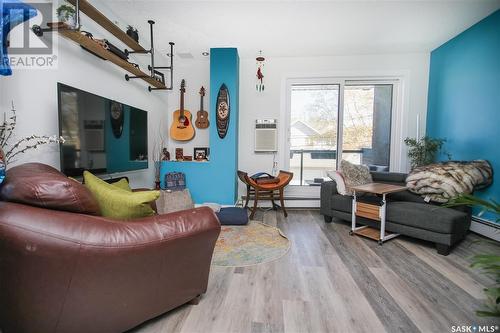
<point x="182" y="104"/>
<point x="201" y="103"/>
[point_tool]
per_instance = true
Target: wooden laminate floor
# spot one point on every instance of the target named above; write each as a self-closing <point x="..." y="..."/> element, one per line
<point x="332" y="282"/>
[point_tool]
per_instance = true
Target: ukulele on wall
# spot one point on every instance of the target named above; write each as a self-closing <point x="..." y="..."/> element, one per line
<point x="182" y="127"/>
<point x="202" y="115"/>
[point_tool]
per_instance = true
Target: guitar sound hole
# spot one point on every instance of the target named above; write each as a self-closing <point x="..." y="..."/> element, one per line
<point x="182" y="119"/>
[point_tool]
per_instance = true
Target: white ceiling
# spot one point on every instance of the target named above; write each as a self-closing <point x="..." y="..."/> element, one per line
<point x="301" y="28"/>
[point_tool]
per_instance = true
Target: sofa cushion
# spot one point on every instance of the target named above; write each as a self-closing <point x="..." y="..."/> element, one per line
<point x="354" y="175"/>
<point x="405" y="196"/>
<point x="122" y="184"/>
<point x="118" y="203"/>
<point x="425" y="216"/>
<point x="395" y="178"/>
<point x="337" y="177"/>
<point x="40" y="185"/>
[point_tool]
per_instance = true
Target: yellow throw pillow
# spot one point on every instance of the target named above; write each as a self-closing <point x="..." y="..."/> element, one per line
<point x="123" y="184"/>
<point x="118" y="203"/>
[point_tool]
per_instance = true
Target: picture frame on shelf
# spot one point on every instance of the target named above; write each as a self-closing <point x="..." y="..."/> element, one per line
<point x="179" y="154"/>
<point x="201" y="153"/>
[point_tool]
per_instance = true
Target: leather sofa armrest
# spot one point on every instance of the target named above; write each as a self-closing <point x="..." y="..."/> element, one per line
<point x="101" y="231"/>
<point x="184" y="223"/>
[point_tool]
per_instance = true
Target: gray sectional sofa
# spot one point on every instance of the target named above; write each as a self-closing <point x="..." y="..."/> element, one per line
<point x="407" y="213"/>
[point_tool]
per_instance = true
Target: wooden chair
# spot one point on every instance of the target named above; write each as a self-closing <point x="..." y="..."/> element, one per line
<point x="266" y="191"/>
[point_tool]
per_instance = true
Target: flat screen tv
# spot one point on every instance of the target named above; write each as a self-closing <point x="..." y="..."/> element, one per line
<point x="101" y="135"/>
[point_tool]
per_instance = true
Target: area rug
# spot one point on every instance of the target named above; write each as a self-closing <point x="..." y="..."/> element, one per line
<point x="247" y="245"/>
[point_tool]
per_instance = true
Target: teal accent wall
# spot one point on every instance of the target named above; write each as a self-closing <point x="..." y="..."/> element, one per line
<point x="216" y="180"/>
<point x="464" y="97"/>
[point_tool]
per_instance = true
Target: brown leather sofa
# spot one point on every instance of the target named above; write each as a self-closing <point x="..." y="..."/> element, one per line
<point x="62" y="271"/>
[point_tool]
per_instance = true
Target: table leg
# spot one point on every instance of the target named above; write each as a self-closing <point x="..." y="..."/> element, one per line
<point x="353" y="216"/>
<point x="382" y="220"/>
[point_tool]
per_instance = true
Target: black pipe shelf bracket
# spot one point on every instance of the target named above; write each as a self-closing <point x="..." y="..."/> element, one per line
<point x="155" y="71"/>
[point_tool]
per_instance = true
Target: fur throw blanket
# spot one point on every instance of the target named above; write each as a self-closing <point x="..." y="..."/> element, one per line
<point x="441" y="182"/>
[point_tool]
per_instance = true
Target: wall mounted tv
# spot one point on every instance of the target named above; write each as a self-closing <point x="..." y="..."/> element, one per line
<point x="102" y="136"/>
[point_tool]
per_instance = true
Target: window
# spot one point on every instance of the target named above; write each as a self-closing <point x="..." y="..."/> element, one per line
<point x="354" y="115"/>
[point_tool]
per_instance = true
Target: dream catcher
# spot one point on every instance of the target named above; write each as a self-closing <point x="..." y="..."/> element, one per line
<point x="259" y="86"/>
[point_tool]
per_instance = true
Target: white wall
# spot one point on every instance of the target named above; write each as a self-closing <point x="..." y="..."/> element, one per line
<point x="413" y="68"/>
<point x="271" y="103"/>
<point x="34" y="92"/>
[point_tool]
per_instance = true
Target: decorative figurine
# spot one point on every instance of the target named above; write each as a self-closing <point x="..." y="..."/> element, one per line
<point x="166" y="155"/>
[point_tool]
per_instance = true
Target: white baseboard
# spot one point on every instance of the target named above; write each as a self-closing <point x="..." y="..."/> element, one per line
<point x="485" y="228"/>
<point x="478" y="225"/>
<point x="295" y="203"/>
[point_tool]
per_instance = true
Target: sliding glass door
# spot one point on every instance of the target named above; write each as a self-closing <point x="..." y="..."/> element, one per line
<point x="366" y="126"/>
<point x="353" y="115"/>
<point x="313" y="131"/>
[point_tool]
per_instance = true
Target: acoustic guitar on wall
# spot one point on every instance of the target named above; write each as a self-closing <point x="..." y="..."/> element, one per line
<point x="182" y="126"/>
<point x="202" y="115"/>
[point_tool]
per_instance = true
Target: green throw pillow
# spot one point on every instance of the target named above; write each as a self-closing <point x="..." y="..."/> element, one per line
<point x="119" y="203"/>
<point x="123" y="184"/>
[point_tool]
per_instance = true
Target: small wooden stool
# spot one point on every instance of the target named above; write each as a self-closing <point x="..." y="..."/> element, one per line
<point x="266" y="191"/>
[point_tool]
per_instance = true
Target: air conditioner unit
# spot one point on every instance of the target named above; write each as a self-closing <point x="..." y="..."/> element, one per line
<point x="266" y="135"/>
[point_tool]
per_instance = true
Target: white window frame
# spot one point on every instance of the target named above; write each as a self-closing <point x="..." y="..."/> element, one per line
<point x="398" y="160"/>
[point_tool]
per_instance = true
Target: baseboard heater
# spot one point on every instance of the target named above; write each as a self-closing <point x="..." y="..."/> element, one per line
<point x="486" y="228"/>
<point x="486" y="222"/>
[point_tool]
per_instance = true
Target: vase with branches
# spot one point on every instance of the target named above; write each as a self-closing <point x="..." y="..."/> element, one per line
<point x="489" y="263"/>
<point x="158" y="148"/>
<point x="9" y="150"/>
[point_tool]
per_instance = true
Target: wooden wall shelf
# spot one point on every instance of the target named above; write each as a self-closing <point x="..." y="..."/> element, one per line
<point x="95" y="47"/>
<point x="103" y="21"/>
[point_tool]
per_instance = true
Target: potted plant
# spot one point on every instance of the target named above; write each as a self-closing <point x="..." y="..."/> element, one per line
<point x="67" y="14"/>
<point x="423" y="151"/>
<point x="133" y="33"/>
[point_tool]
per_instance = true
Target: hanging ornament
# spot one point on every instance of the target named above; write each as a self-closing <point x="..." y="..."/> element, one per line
<point x="259" y="86"/>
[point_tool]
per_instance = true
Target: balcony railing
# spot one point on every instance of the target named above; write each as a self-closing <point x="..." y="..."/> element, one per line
<point x="315" y="156"/>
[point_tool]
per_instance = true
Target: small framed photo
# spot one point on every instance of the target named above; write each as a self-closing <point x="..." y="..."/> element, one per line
<point x="179" y="154"/>
<point x="201" y="153"/>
